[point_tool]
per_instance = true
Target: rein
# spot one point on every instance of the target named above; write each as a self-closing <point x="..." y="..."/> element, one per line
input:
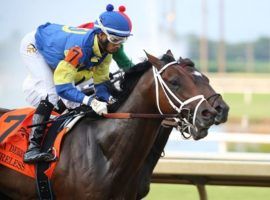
<point x="139" y="115"/>
<point x="114" y="116"/>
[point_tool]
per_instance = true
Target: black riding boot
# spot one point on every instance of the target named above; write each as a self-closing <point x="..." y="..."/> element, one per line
<point x="41" y="115"/>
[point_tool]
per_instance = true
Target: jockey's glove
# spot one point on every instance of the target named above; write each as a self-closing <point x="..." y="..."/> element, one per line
<point x="99" y="107"/>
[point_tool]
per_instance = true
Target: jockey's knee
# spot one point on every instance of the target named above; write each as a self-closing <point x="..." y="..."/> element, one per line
<point x="34" y="97"/>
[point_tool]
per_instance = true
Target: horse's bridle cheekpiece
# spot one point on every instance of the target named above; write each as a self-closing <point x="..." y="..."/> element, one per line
<point x="184" y="125"/>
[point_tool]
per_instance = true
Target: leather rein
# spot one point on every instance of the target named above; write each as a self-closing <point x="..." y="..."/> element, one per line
<point x="151" y="116"/>
<point x="139" y="115"/>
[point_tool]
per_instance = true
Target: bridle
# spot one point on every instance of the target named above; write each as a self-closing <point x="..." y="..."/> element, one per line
<point x="184" y="124"/>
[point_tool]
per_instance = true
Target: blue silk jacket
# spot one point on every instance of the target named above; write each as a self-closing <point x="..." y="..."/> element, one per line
<point x="74" y="55"/>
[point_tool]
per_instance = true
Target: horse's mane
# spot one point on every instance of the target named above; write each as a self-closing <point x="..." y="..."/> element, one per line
<point x="127" y="84"/>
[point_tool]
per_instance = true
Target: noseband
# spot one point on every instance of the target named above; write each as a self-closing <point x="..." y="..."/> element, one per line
<point x="184" y="122"/>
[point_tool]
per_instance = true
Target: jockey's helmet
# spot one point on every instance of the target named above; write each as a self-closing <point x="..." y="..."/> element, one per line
<point x="115" y="24"/>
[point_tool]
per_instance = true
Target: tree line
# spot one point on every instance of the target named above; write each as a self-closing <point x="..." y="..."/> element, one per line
<point x="238" y="55"/>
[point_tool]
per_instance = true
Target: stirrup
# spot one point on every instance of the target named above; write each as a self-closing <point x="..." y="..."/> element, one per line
<point x="53" y="152"/>
<point x="41" y="157"/>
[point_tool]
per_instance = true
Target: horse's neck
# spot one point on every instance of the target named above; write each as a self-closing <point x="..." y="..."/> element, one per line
<point x="115" y="148"/>
<point x="129" y="141"/>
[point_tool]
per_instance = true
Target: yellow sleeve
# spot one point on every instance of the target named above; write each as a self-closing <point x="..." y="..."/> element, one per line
<point x="84" y="74"/>
<point x="64" y="73"/>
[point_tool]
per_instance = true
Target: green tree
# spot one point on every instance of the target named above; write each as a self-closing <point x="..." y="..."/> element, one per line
<point x="262" y="49"/>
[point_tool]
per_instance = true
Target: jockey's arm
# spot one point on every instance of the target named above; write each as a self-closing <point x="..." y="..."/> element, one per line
<point x="65" y="76"/>
<point x="122" y="60"/>
<point x="100" y="76"/>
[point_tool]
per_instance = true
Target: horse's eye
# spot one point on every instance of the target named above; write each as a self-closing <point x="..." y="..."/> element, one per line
<point x="174" y="82"/>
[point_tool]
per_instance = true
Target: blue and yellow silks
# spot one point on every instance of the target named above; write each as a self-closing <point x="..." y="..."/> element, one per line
<point x="74" y="54"/>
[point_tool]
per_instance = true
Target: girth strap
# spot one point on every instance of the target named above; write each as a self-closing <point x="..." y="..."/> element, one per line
<point x="43" y="183"/>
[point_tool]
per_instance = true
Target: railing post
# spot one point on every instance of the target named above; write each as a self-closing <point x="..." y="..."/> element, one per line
<point x="202" y="191"/>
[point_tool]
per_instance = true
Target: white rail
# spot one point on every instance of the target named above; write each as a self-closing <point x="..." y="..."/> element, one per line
<point x="233" y="137"/>
<point x="224" y="138"/>
<point x="216" y="168"/>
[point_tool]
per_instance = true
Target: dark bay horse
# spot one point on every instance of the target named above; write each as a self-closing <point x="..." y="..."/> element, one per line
<point x="143" y="178"/>
<point x="100" y="158"/>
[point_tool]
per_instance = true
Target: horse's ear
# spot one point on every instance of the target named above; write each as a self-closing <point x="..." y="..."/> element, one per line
<point x="154" y="61"/>
<point x="180" y="60"/>
<point x="169" y="53"/>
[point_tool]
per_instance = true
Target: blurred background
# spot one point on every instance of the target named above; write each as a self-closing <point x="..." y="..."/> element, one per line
<point x="228" y="40"/>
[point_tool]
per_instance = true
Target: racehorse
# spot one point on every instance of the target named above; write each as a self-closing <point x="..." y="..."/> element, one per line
<point x="143" y="179"/>
<point x="99" y="158"/>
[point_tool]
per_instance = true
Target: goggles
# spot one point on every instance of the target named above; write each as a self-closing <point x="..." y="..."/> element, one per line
<point x="115" y="39"/>
<point x="112" y="38"/>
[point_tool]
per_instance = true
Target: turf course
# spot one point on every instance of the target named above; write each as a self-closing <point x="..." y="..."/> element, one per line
<point x="189" y="192"/>
<point x="255" y="108"/>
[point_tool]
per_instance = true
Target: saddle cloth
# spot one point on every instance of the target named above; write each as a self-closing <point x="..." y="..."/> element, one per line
<point x="14" y="134"/>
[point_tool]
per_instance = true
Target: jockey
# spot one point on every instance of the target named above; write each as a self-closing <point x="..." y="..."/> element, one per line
<point x="58" y="57"/>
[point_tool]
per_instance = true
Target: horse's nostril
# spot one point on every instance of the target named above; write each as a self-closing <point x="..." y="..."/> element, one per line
<point x="206" y="113"/>
<point x="218" y="109"/>
<point x="209" y="114"/>
<point x="222" y="110"/>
